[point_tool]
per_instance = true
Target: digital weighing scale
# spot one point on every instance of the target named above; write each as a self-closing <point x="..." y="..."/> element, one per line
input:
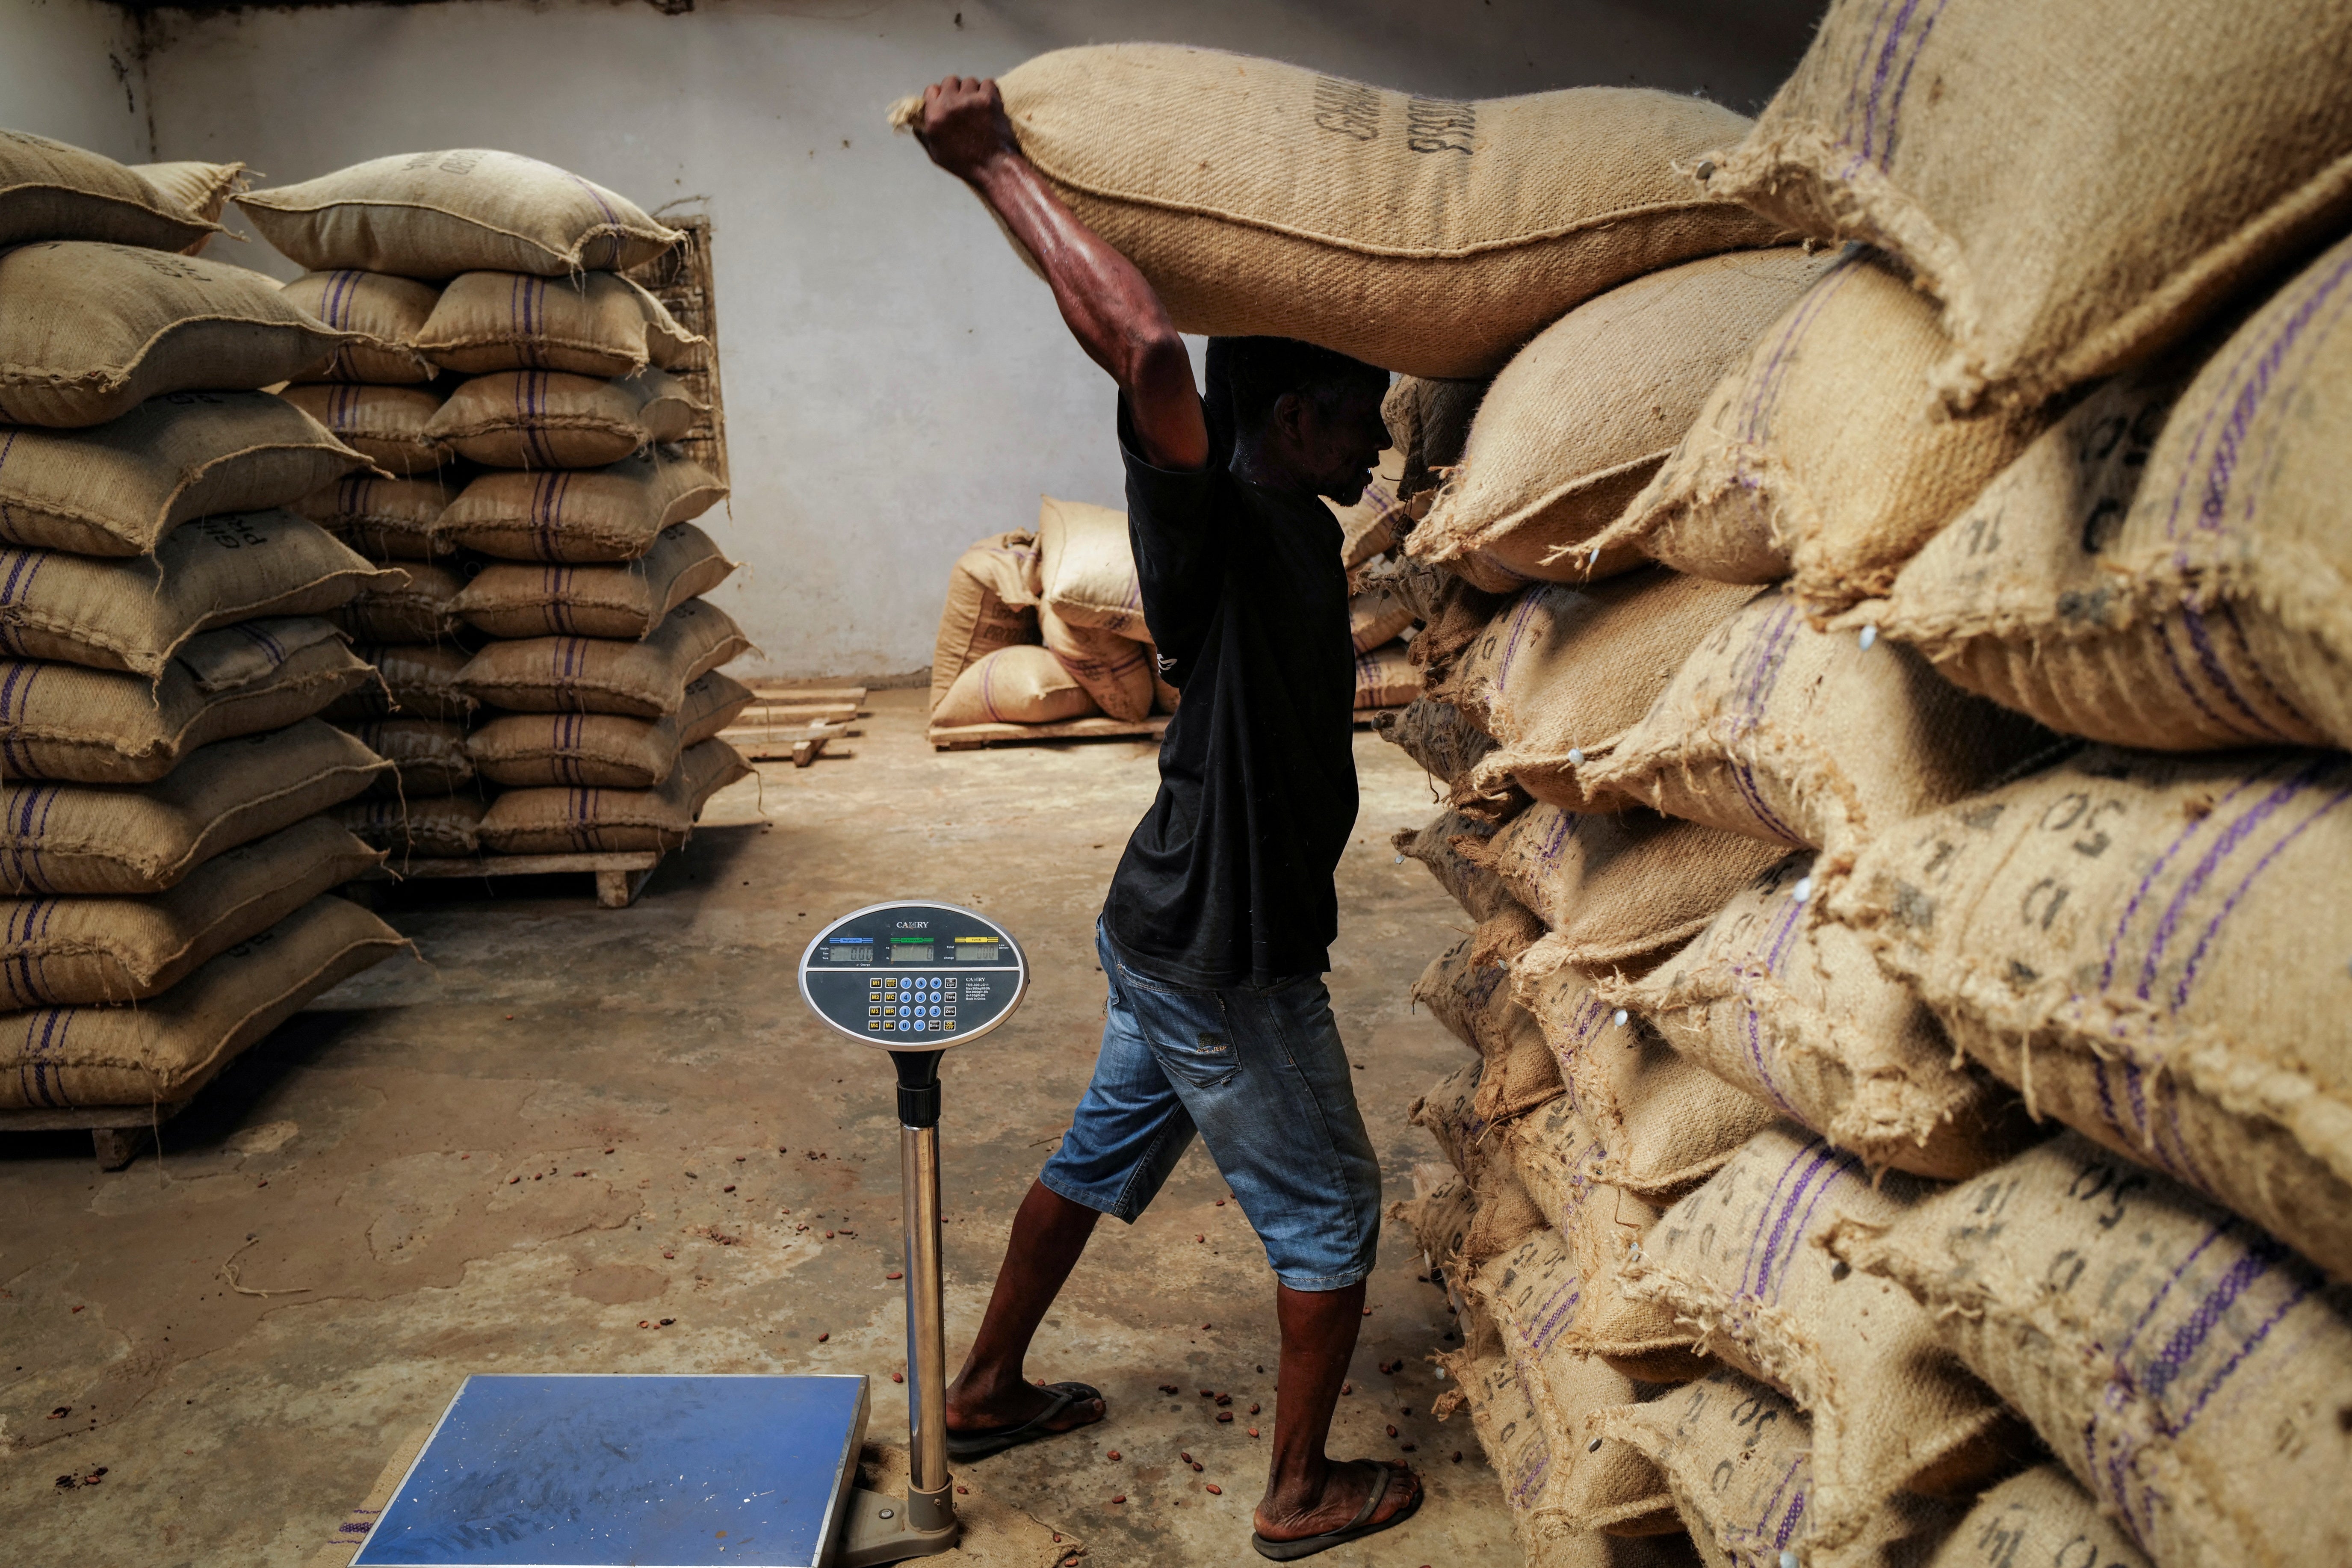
<point x="595" y="1471"/>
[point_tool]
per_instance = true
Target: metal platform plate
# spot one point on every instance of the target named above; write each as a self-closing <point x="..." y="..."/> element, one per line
<point x="588" y="1472"/>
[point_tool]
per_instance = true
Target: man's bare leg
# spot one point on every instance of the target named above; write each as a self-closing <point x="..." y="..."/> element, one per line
<point x="992" y="1392"/>
<point x="1306" y="1493"/>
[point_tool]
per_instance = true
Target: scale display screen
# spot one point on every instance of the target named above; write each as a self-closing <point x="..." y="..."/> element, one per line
<point x="973" y="950"/>
<point x="913" y="976"/>
<point x="856" y="950"/>
<point x="904" y="952"/>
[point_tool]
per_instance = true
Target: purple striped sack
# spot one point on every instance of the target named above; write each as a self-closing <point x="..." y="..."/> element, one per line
<point x="1477" y="889"/>
<point x="591" y="323"/>
<point x="581" y="820"/>
<point x="2186" y="1367"/>
<point x="1024" y="684"/>
<point x="389" y="425"/>
<point x="416" y="603"/>
<point x="2036" y="1519"/>
<point x="644" y="679"/>
<point x="429" y="756"/>
<point x="432" y="828"/>
<point x="612" y="514"/>
<point x="550" y="419"/>
<point x="624" y="599"/>
<point x="384" y="314"/>
<point x="383" y="518"/>
<point x="603" y="751"/>
<point x="418" y="680"/>
<point x="2151" y="949"/>
<point x="991" y="604"/>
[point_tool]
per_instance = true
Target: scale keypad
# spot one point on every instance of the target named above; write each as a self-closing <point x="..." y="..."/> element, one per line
<point x="911" y="1004"/>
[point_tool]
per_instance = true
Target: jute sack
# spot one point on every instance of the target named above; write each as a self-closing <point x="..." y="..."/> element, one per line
<point x="1806" y="738"/>
<point x="1505" y="1215"/>
<point x="1439" y="1212"/>
<point x="385" y="519"/>
<point x="435" y="215"/>
<point x="2147" y="948"/>
<point x="1449" y="1113"/>
<point x="170" y="1046"/>
<point x="1475" y="887"/>
<point x="591" y="323"/>
<point x="1115" y="672"/>
<point x="93" y="331"/>
<point x="418" y="604"/>
<point x="2168" y="575"/>
<point x="2056" y="259"/>
<point x="133" y="614"/>
<point x="1825" y="455"/>
<point x="386" y="314"/>
<point x="429" y="756"/>
<point x="627" y="599"/>
<point x="1468" y="989"/>
<point x="1377" y="520"/>
<point x="49" y="190"/>
<point x="547" y="419"/>
<point x="416" y="678"/>
<point x="600" y="674"/>
<point x="991" y="604"/>
<point x="100" y="838"/>
<point x="1453" y="615"/>
<point x="1619" y="887"/>
<point x="1429" y="421"/>
<point x="57" y="953"/>
<point x="1739" y="1261"/>
<point x="1376" y="616"/>
<point x="1437" y="735"/>
<point x="603" y="751"/>
<point x="391" y="425"/>
<point x="1024" y="684"/>
<point x="199" y="189"/>
<point x="2190" y="1370"/>
<point x="1791" y="1008"/>
<point x="1385" y="678"/>
<point x="430" y="827"/>
<point x="575" y="820"/>
<point x="1086" y="570"/>
<point x="1580" y="419"/>
<point x="599" y="514"/>
<point x="2037" y="1516"/>
<point x="1427" y="236"/>
<point x="91" y="726"/>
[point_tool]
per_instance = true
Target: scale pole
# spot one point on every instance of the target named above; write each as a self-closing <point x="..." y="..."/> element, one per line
<point x="930" y="1496"/>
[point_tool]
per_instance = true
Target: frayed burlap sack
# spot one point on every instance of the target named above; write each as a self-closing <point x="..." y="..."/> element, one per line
<point x="1085" y="568"/>
<point x="93" y="331"/>
<point x="603" y="751"/>
<point x="57" y="953"/>
<point x="2190" y="1370"/>
<point x="418" y="603"/>
<point x="1453" y="615"/>
<point x="430" y="827"/>
<point x="600" y="514"/>
<point x="1475" y="887"/>
<point x="1024" y="684"/>
<point x="134" y="614"/>
<point x="575" y="820"/>
<point x="1376" y="616"/>
<point x="1385" y="679"/>
<point x="1115" y="672"/>
<point x="391" y="425"/>
<point x="1621" y="887"/>
<point x="1810" y="739"/>
<point x="385" y="519"/>
<point x="416" y="678"/>
<point x="1580" y="419"/>
<point x="1565" y="670"/>
<point x="2149" y="948"/>
<point x="591" y="323"/>
<point x="1437" y="735"/>
<point x="436" y="215"/>
<point x="2168" y="575"/>
<point x="199" y="189"/>
<point x="627" y="599"/>
<point x="1429" y="421"/>
<point x="2036" y="1516"/>
<point x="1456" y="989"/>
<point x="1428" y="236"/>
<point x="383" y="313"/>
<point x="1449" y="1113"/>
<point x="1505" y="1215"/>
<point x="49" y="190"/>
<point x="1791" y="1008"/>
<point x="602" y="675"/>
<point x="991" y="604"/>
<point x="2056" y="258"/>
<point x="1439" y="1212"/>
<point x="169" y="1047"/>
<point x="1740" y="1262"/>
<point x="547" y="419"/>
<point x="143" y="838"/>
<point x="1377" y="520"/>
<point x="1467" y="988"/>
<point x="429" y="756"/>
<point x="1825" y="455"/>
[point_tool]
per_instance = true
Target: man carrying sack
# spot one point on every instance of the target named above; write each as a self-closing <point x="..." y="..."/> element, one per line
<point x="1215" y="936"/>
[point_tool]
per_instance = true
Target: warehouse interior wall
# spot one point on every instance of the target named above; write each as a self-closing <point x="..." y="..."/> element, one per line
<point x="69" y="69"/>
<point x="896" y="385"/>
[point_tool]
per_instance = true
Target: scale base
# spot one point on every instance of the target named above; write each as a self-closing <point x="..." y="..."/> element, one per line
<point x="868" y="1537"/>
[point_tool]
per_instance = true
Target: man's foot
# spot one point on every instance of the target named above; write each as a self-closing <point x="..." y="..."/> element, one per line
<point x="1017" y="1404"/>
<point x="1345" y="1488"/>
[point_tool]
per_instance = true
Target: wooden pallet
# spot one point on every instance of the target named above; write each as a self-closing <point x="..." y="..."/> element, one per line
<point x="620" y="874"/>
<point x="971" y="737"/>
<point x="797" y="724"/>
<point x="117" y="1132"/>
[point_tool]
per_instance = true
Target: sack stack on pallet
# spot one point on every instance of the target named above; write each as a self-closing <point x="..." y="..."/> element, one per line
<point x="167" y="839"/>
<point x="550" y="671"/>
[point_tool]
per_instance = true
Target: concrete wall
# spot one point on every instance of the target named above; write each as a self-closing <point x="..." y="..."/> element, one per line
<point x="897" y="383"/>
<point x="69" y="71"/>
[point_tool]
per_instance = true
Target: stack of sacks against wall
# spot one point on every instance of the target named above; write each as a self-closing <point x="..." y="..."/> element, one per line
<point x="513" y="387"/>
<point x="163" y="651"/>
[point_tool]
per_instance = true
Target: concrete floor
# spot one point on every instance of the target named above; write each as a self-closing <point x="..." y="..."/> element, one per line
<point x="567" y="1122"/>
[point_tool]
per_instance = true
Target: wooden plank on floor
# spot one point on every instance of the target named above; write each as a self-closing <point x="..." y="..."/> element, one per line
<point x="966" y="737"/>
<point x="529" y="864"/>
<point x="774" y="691"/>
<point x="797" y="712"/>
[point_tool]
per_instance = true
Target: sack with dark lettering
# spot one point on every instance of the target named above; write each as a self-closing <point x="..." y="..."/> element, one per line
<point x="1115" y="671"/>
<point x="548" y="419"/>
<point x="419" y="679"/>
<point x="429" y="756"/>
<point x="1376" y="616"/>
<point x="430" y="827"/>
<point x="1438" y="1214"/>
<point x="385" y="519"/>
<point x="625" y="599"/>
<point x="2037" y="1516"/>
<point x="590" y="324"/>
<point x="385" y="313"/>
<point x="603" y="751"/>
<point x="1475" y="886"/>
<point x="418" y="603"/>
<point x="992" y="603"/>
<point x="1385" y="680"/>
<point x="1436" y="734"/>
<point x="603" y="674"/>
<point x="1024" y="684"/>
<point x="49" y="190"/>
<point x="612" y="514"/>
<point x="1449" y="1113"/>
<point x="572" y="820"/>
<point x="391" y="425"/>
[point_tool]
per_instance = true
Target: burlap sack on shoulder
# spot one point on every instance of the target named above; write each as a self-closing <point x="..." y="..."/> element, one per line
<point x="2148" y="947"/>
<point x="1024" y="684"/>
<point x="385" y="519"/>
<point x="170" y="1046"/>
<point x="93" y="331"/>
<point x="429" y="756"/>
<point x="573" y="820"/>
<point x="1386" y="679"/>
<point x="416" y="678"/>
<point x="386" y="314"/>
<point x="49" y="190"/>
<point x="2055" y="260"/>
<point x="430" y="827"/>
<point x="1809" y="739"/>
<point x="590" y="324"/>
<point x="121" y="487"/>
<point x="2167" y="573"/>
<point x="1475" y="886"/>
<point x="548" y="419"/>
<point x="627" y="599"/>
<point x="1115" y="672"/>
<point x="2188" y="1370"/>
<point x="416" y="601"/>
<point x="1580" y="419"/>
<point x="192" y="186"/>
<point x="134" y="613"/>
<point x="1086" y="569"/>
<point x="391" y="425"/>
<point x="143" y="838"/>
<point x="436" y="215"/>
<point x="1436" y="734"/>
<point x="1376" y="616"/>
<point x="612" y="514"/>
<point x="73" y="952"/>
<point x="1449" y="1113"/>
<point x="601" y="675"/>
<point x="992" y="603"/>
<point x="603" y="751"/>
<point x="2036" y="1516"/>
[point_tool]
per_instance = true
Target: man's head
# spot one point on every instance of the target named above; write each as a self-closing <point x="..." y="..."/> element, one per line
<point x="1300" y="417"/>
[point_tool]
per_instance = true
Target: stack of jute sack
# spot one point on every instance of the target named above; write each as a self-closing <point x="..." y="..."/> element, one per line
<point x="550" y="671"/>
<point x="167" y="845"/>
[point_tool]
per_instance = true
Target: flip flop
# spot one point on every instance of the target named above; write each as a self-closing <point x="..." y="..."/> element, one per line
<point x="966" y="1446"/>
<point x="1355" y="1529"/>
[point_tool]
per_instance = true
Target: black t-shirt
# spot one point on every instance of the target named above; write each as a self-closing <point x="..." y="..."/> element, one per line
<point x="1228" y="878"/>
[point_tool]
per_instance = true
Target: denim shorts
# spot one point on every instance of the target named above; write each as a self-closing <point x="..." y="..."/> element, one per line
<point x="1259" y="1072"/>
